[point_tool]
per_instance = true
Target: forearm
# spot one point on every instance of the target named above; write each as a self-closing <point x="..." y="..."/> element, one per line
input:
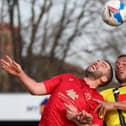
<point x="120" y="105"/>
<point x="87" y="125"/>
<point x="15" y="69"/>
<point x="31" y="85"/>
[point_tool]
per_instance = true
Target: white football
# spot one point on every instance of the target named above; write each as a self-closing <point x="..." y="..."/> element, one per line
<point x="114" y="13"/>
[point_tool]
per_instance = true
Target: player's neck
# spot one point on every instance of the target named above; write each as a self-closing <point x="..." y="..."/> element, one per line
<point x="123" y="84"/>
<point x="90" y="82"/>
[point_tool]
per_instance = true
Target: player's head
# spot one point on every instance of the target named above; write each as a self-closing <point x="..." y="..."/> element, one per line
<point x="120" y="68"/>
<point x="101" y="71"/>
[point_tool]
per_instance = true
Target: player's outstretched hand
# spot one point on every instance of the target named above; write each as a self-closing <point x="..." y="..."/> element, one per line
<point x="84" y="117"/>
<point x="103" y="107"/>
<point x="79" y="118"/>
<point x="71" y="111"/>
<point x="10" y="66"/>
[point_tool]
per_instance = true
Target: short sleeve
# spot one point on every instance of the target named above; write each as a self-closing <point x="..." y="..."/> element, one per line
<point x="52" y="83"/>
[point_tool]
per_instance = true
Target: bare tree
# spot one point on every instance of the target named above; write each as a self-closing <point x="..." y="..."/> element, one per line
<point x="51" y="30"/>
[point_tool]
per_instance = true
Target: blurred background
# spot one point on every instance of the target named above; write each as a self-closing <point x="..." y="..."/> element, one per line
<point x="51" y="37"/>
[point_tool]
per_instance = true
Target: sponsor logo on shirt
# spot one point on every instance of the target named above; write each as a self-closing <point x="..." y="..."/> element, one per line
<point x="71" y="79"/>
<point x="69" y="97"/>
<point x="72" y="94"/>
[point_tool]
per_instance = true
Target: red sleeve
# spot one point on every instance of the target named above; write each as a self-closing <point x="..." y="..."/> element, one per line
<point x="52" y="83"/>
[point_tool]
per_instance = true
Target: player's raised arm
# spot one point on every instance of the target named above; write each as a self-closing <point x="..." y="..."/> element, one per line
<point x="15" y="69"/>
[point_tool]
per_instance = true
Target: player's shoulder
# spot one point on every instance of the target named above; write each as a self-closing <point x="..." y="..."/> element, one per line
<point x="65" y="75"/>
<point x="107" y="91"/>
<point x="69" y="76"/>
<point x="122" y="89"/>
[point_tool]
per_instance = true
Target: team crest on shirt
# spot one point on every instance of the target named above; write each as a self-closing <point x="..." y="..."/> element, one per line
<point x="72" y="94"/>
<point x="88" y="96"/>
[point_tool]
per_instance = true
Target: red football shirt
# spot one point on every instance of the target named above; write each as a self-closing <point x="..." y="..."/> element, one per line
<point x="67" y="88"/>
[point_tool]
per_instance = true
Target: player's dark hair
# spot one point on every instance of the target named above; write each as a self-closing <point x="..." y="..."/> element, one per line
<point x="120" y="56"/>
<point x="109" y="74"/>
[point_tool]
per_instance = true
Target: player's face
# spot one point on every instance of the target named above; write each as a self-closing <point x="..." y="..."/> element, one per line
<point x="98" y="69"/>
<point x="120" y="69"/>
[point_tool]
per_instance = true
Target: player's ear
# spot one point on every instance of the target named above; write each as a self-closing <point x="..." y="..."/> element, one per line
<point x="103" y="79"/>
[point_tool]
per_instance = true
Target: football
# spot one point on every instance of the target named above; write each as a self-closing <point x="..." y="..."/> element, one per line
<point x="114" y="12"/>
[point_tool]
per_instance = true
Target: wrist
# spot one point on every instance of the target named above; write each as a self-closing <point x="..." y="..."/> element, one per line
<point x="115" y="105"/>
<point x="20" y="74"/>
